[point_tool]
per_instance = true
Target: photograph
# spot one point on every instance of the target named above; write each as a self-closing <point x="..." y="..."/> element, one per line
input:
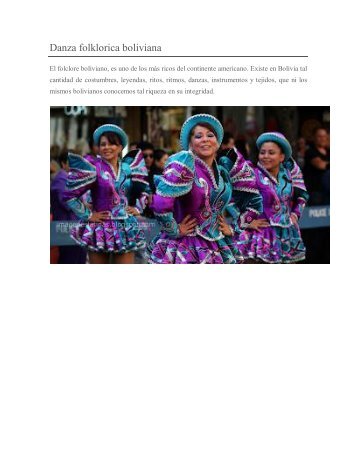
<point x="189" y="184"/>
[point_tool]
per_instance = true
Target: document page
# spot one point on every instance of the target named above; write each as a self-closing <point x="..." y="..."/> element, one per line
<point x="189" y="150"/>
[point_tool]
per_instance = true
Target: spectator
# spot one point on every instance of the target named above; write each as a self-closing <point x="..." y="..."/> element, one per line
<point x="160" y="157"/>
<point x="228" y="141"/>
<point x="148" y="153"/>
<point x="54" y="168"/>
<point x="317" y="176"/>
<point x="316" y="171"/>
<point x="242" y="146"/>
<point x="301" y="148"/>
<point x="94" y="151"/>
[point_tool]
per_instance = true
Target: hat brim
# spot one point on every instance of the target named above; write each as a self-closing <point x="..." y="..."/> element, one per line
<point x="110" y="128"/>
<point x="277" y="138"/>
<point x="197" y="120"/>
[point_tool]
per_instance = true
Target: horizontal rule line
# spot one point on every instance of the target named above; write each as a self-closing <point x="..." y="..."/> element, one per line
<point x="160" y="56"/>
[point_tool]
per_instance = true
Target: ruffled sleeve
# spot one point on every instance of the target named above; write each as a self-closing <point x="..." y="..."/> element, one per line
<point x="300" y="194"/>
<point x="246" y="194"/>
<point x="139" y="173"/>
<point x="81" y="177"/>
<point x="176" y="180"/>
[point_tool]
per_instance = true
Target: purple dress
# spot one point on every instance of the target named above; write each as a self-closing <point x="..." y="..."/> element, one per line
<point x="69" y="254"/>
<point x="189" y="186"/>
<point x="121" y="233"/>
<point x="282" y="196"/>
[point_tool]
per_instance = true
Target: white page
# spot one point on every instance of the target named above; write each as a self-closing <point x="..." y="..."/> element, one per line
<point x="246" y="363"/>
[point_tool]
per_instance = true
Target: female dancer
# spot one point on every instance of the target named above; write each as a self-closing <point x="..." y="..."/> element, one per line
<point x="276" y="237"/>
<point x="190" y="198"/>
<point x="110" y="227"/>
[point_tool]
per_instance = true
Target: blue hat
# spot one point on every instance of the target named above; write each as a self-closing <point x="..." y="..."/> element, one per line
<point x="110" y="128"/>
<point x="277" y="138"/>
<point x="197" y="120"/>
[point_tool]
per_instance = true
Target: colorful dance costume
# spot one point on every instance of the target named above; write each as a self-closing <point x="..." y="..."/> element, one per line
<point x="189" y="186"/>
<point x="120" y="233"/>
<point x="246" y="203"/>
<point x="282" y="196"/>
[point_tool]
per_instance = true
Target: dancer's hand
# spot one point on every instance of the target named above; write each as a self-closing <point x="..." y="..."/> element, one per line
<point x="259" y="223"/>
<point x="224" y="227"/>
<point x="99" y="217"/>
<point x="187" y="225"/>
<point x="294" y="218"/>
<point x="132" y="211"/>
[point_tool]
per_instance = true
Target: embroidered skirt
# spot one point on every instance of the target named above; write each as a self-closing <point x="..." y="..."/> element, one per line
<point x="189" y="250"/>
<point x="113" y="236"/>
<point x="272" y="245"/>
